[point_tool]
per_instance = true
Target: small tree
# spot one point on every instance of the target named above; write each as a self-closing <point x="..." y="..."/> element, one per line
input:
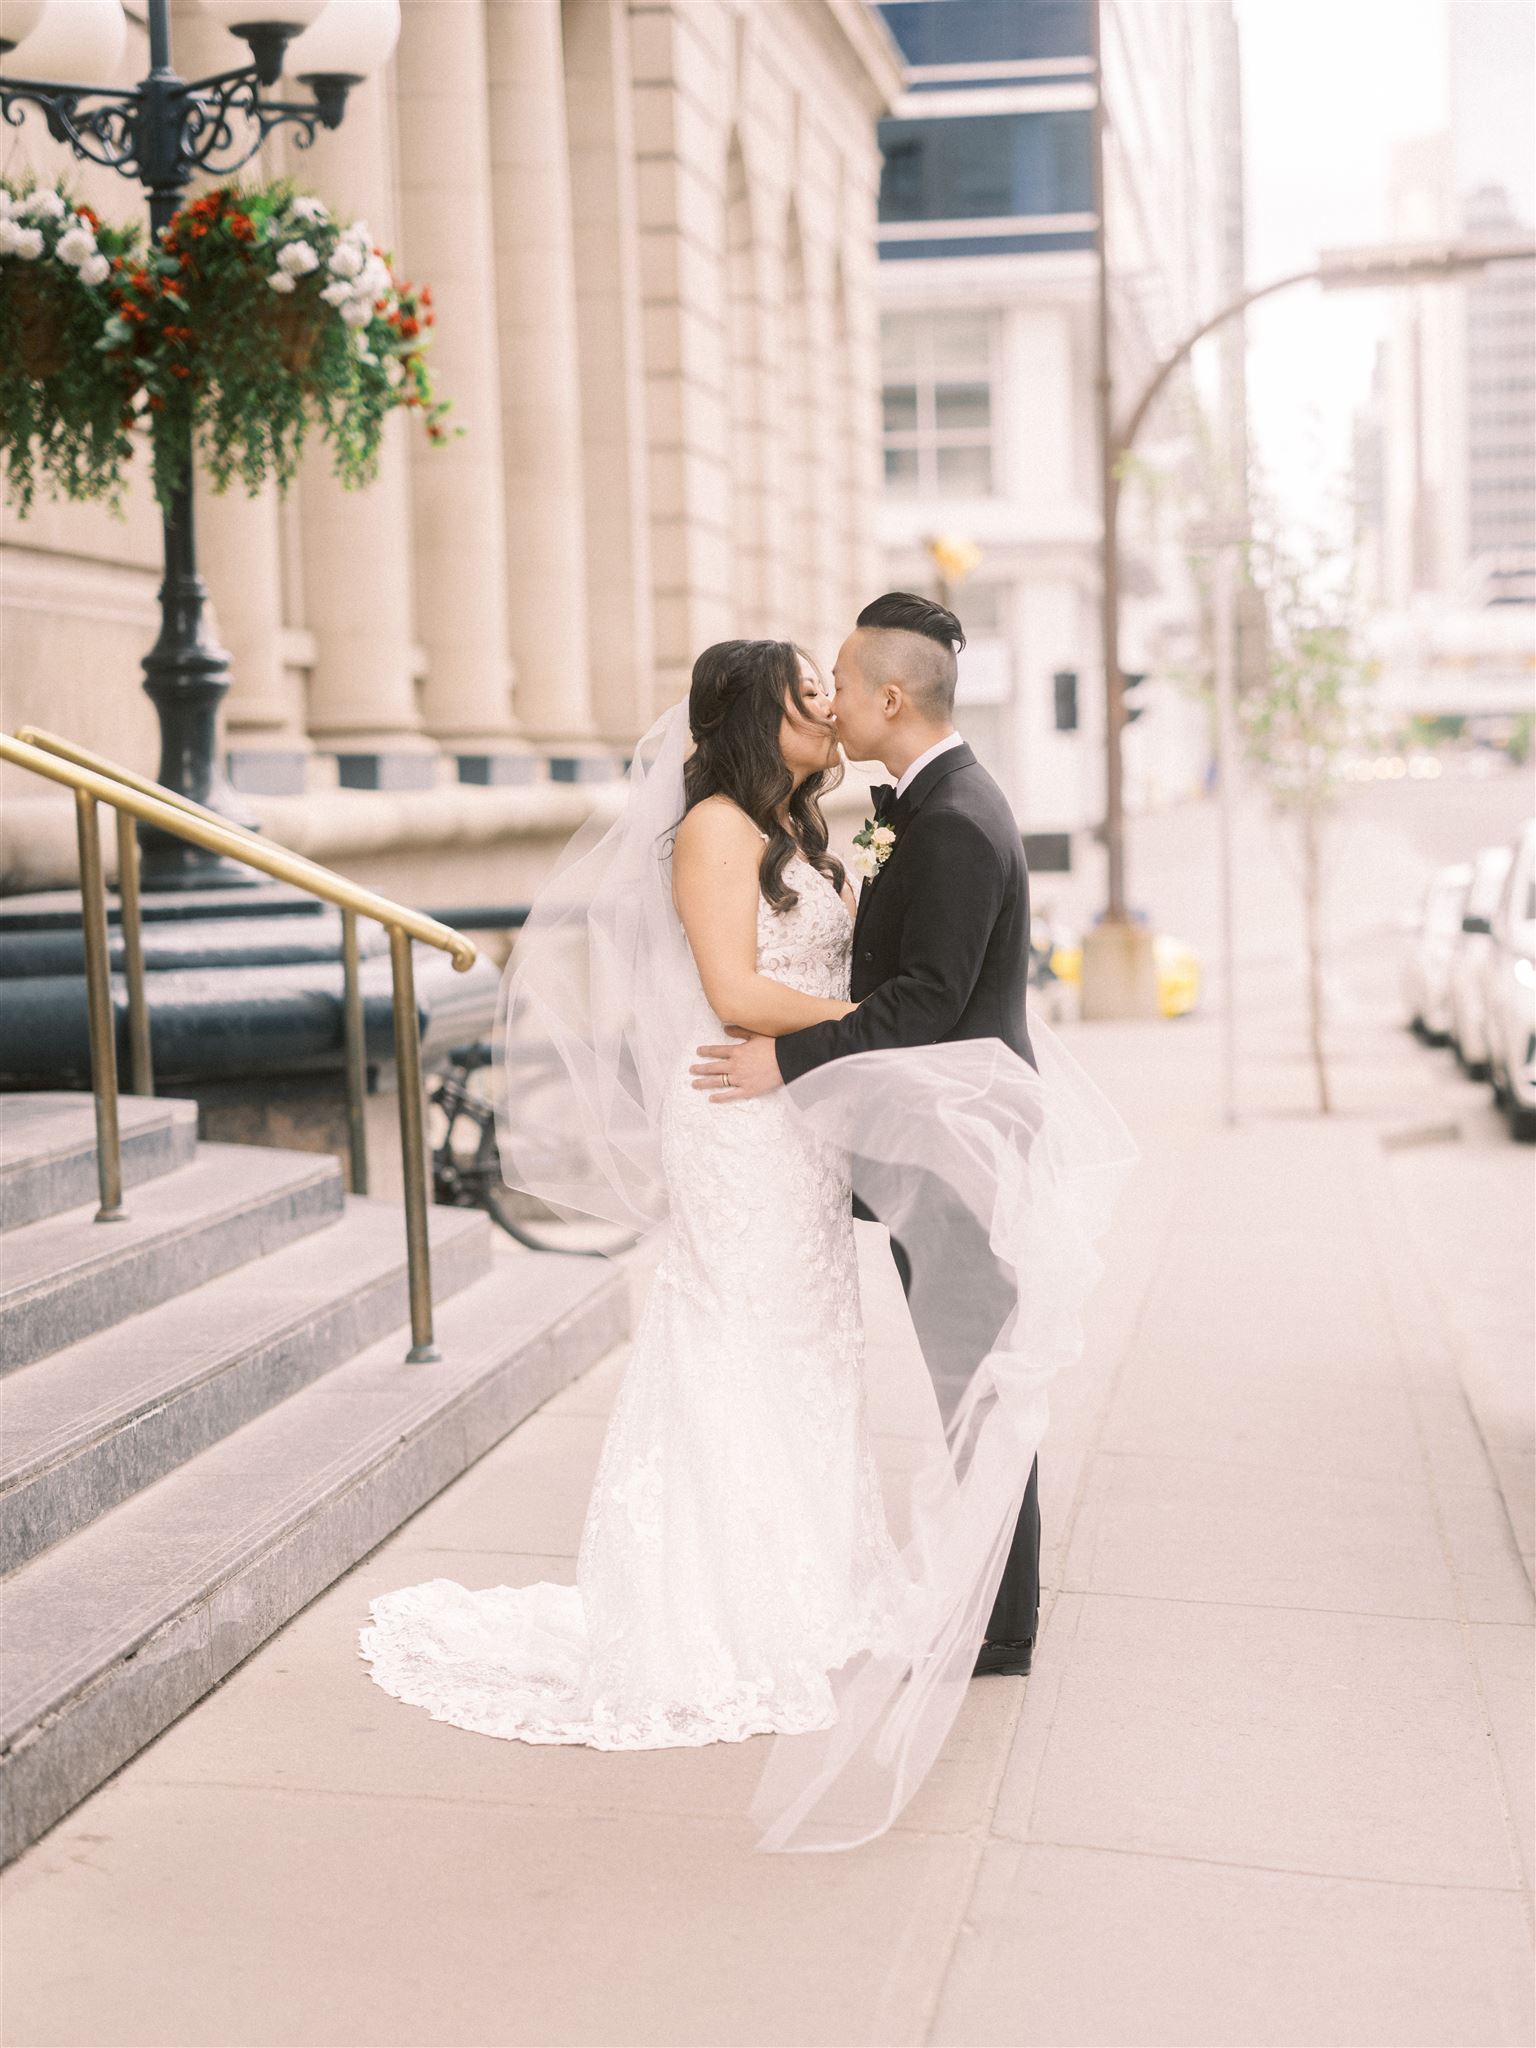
<point x="1298" y="717"/>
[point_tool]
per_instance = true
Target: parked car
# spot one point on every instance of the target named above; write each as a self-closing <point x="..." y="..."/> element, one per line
<point x="1469" y="959"/>
<point x="1509" y="990"/>
<point x="1427" y="971"/>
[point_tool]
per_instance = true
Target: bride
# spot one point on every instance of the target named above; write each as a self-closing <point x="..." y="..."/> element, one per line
<point x="737" y="1574"/>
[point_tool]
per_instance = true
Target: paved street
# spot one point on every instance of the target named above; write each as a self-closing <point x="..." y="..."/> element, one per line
<point x="1270" y="1783"/>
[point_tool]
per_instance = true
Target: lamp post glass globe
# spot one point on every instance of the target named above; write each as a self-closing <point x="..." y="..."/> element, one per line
<point x="238" y="15"/>
<point x="268" y="26"/>
<point x="81" y="41"/>
<point x="351" y="39"/>
<point x="18" y="18"/>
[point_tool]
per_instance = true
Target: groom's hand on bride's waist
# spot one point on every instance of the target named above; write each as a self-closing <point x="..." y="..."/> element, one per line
<point x="736" y="1072"/>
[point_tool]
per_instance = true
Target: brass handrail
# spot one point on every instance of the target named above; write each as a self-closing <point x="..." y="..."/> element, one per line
<point x="93" y="779"/>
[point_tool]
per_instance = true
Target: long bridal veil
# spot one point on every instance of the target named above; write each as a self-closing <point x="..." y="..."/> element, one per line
<point x="996" y="1178"/>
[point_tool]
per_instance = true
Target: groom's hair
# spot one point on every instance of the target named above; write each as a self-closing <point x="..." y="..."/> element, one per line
<point x="919" y="652"/>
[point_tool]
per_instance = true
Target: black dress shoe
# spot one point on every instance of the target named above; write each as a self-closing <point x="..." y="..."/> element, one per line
<point x="1005" y="1660"/>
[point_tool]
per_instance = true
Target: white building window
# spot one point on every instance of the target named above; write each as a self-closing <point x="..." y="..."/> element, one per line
<point x="938" y="373"/>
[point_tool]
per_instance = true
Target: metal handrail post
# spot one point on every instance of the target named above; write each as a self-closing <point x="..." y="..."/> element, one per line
<point x="141" y="1066"/>
<point x="98" y="999"/>
<point x="413" y="1156"/>
<point x="356" y="1054"/>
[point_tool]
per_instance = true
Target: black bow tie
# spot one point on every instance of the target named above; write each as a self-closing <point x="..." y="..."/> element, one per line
<point x="882" y="796"/>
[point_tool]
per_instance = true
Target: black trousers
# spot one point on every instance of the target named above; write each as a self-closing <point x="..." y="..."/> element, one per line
<point x="1016" y="1610"/>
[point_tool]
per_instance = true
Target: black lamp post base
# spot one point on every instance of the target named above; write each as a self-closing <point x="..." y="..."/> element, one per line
<point x="172" y="865"/>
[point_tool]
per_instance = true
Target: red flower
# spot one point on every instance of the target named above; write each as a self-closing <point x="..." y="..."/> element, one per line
<point x="156" y="402"/>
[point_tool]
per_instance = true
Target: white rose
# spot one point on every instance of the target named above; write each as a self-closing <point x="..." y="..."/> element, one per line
<point x="337" y="294"/>
<point x="310" y="209"/>
<point x="281" y="282"/>
<point x="882" y="836"/>
<point x="865" y="865"/>
<point x="357" y="312"/>
<point x="298" y="259"/>
<point x="43" y="206"/>
<point x="15" y="240"/>
<point x="95" y="269"/>
<point x="74" y="246"/>
<point x="394" y="371"/>
<point x="346" y="259"/>
<point x="374" y="280"/>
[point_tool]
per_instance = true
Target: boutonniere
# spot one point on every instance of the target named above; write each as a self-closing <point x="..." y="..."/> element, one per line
<point x="872" y="848"/>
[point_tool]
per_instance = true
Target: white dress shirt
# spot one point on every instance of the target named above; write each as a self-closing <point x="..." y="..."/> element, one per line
<point x="950" y="739"/>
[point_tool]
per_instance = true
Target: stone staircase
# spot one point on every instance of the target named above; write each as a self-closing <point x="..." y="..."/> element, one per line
<point x="206" y="1417"/>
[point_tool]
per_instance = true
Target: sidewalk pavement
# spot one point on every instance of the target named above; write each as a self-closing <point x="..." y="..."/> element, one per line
<point x="1271" y="1781"/>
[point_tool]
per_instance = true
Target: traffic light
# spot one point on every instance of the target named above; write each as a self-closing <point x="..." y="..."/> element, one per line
<point x="1065" y="681"/>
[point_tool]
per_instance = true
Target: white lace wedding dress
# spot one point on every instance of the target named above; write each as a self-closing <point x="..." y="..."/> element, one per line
<point x="735" y="1549"/>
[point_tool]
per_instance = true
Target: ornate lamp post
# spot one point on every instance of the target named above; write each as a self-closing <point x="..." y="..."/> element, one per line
<point x="164" y="132"/>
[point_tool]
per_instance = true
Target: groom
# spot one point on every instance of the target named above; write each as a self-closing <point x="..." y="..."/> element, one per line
<point x="940" y="944"/>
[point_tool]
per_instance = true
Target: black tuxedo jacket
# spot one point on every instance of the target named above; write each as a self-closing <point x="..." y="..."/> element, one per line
<point x="941" y="940"/>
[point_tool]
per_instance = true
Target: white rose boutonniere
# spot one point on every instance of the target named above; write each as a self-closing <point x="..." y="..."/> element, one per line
<point x="872" y="848"/>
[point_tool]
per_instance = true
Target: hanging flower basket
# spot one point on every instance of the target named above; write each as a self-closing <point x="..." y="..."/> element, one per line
<point x="66" y="413"/>
<point x="258" y="317"/>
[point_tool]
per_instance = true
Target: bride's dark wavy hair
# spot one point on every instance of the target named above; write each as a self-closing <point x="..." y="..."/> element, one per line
<point x="740" y="692"/>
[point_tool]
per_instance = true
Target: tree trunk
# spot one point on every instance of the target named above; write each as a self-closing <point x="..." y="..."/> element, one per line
<point x="1312" y="904"/>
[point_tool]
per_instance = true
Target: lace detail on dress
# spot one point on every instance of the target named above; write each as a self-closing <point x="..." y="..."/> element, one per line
<point x="735" y="1549"/>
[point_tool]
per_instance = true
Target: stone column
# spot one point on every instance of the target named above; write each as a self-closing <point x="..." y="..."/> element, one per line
<point x="600" y="118"/>
<point x="358" y="569"/>
<point x="447" y="241"/>
<point x="239" y="542"/>
<point x="540" y="388"/>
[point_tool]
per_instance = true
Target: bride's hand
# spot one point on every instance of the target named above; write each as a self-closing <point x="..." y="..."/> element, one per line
<point x="738" y="1072"/>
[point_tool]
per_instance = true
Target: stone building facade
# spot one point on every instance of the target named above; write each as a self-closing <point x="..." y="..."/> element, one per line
<point x="649" y="226"/>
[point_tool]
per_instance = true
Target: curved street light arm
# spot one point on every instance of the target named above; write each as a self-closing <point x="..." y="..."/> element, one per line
<point x="1125" y="440"/>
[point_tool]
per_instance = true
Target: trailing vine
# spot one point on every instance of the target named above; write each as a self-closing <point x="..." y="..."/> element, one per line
<point x="66" y="416"/>
<point x="254" y="319"/>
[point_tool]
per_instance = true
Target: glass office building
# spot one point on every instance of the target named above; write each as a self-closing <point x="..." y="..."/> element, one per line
<point x="988" y="246"/>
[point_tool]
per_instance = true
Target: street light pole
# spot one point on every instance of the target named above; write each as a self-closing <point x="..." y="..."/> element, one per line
<point x="1114" y="687"/>
<point x="163" y="132"/>
<point x="1112" y="983"/>
<point x="1118" y="978"/>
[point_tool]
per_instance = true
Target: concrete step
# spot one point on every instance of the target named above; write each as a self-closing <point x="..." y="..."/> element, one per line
<point x="48" y="1149"/>
<point x="93" y="1424"/>
<point x="67" y="1276"/>
<point x="116" y="1631"/>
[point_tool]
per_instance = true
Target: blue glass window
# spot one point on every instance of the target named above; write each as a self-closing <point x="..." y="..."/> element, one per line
<point x="989" y="31"/>
<point x="985" y="167"/>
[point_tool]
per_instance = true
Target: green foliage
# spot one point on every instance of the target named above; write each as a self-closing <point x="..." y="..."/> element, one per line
<point x="1312" y="702"/>
<point x="1298" y="716"/>
<point x="66" y="418"/>
<point x="255" y="319"/>
<point x="258" y="317"/>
